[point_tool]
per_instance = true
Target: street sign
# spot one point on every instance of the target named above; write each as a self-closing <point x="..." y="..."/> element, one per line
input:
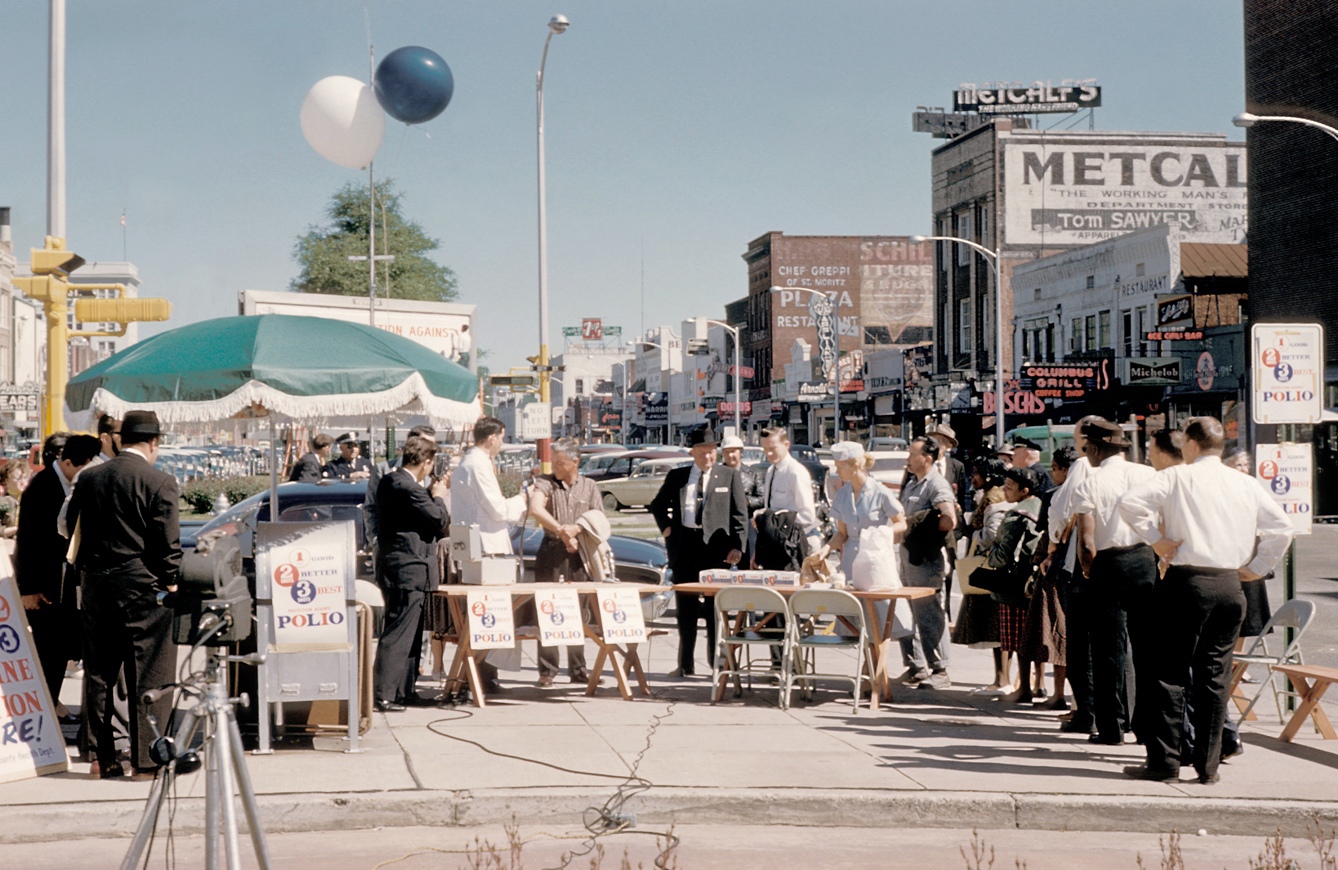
<point x="1287" y="473"/>
<point x="697" y="347"/>
<point x="1287" y="360"/>
<point x="536" y="421"/>
<point x="511" y="380"/>
<point x="821" y="309"/>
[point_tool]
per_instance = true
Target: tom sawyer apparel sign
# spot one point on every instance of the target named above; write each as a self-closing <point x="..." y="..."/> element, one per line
<point x="306" y="570"/>
<point x="491" y="621"/>
<point x="30" y="740"/>
<point x="1288" y="364"/>
<point x="1287" y="472"/>
<point x="1066" y="191"/>
<point x="620" y="617"/>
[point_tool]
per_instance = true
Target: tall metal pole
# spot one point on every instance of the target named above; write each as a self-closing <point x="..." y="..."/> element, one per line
<point x="995" y="259"/>
<point x="557" y="24"/>
<point x="738" y="426"/>
<point x="55" y="137"/>
<point x="371" y="247"/>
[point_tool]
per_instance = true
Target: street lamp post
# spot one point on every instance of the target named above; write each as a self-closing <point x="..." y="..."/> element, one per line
<point x="993" y="257"/>
<point x="557" y="24"/>
<point x="1247" y="120"/>
<point x="836" y="363"/>
<point x="738" y="414"/>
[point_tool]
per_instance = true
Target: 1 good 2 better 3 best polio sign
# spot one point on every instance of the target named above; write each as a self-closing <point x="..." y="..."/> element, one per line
<point x="1287" y="372"/>
<point x="30" y="740"/>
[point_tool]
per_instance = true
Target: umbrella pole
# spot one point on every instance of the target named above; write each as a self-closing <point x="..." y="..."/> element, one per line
<point x="273" y="473"/>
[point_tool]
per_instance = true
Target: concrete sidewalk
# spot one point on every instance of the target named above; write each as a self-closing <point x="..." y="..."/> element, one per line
<point x="949" y="759"/>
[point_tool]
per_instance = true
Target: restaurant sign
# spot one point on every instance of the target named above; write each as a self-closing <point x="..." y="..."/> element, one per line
<point x="1175" y="312"/>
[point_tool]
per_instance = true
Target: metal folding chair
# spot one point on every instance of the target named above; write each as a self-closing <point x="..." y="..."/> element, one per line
<point x="734" y="635"/>
<point x="1295" y="614"/>
<point x="849" y="612"/>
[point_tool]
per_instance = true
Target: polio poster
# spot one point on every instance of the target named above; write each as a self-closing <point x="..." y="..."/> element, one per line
<point x="306" y="570"/>
<point x="560" y="621"/>
<point x="1288" y="367"/>
<point x="30" y="740"/>
<point x="620" y="616"/>
<point x="491" y="622"/>
<point x="1286" y="472"/>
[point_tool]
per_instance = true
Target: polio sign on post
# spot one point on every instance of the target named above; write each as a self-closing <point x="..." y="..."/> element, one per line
<point x="1286" y="472"/>
<point x="1287" y="360"/>
<point x="30" y="740"/>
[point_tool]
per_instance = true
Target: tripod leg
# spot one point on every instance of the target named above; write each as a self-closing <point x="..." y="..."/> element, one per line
<point x="162" y="787"/>
<point x="248" y="795"/>
<point x="225" y="786"/>
<point x="212" y="788"/>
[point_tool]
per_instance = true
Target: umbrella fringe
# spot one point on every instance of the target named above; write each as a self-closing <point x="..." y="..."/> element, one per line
<point x="411" y="395"/>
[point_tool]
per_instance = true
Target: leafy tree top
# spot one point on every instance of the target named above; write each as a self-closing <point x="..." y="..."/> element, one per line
<point x="324" y="251"/>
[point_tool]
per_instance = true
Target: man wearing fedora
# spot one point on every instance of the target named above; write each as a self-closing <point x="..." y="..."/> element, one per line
<point x="702" y="513"/>
<point x="127" y="546"/>
<point x="1121" y="572"/>
<point x="954" y="472"/>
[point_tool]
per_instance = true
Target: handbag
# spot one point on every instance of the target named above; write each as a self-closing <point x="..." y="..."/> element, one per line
<point x="875" y="566"/>
<point x="969" y="565"/>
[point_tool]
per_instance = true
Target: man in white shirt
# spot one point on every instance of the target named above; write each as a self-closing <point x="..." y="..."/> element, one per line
<point x="1064" y="546"/>
<point x="476" y="499"/>
<point x="1121" y="573"/>
<point x="1211" y="516"/>
<point x="788" y="487"/>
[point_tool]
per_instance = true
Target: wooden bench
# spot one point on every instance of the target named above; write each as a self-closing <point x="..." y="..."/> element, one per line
<point x="1310" y="683"/>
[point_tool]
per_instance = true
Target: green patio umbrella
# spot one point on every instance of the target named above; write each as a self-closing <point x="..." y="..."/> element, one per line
<point x="304" y="368"/>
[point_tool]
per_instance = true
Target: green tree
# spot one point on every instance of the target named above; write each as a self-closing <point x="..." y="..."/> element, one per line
<point x="323" y="253"/>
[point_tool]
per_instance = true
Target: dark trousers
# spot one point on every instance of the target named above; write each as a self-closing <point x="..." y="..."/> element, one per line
<point x="1078" y="651"/>
<point x="550" y="562"/>
<point x="401" y="645"/>
<point x="692" y="555"/>
<point x="125" y="627"/>
<point x="53" y="631"/>
<point x="1200" y="612"/>
<point x="1123" y="622"/>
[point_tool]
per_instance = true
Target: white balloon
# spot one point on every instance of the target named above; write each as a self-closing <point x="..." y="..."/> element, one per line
<point x="343" y="121"/>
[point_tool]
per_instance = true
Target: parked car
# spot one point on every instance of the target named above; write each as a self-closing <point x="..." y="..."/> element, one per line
<point x="886" y="442"/>
<point x="889" y="468"/>
<point x="593" y="465"/>
<point x="625" y="464"/>
<point x="808" y="457"/>
<point x="640" y="488"/>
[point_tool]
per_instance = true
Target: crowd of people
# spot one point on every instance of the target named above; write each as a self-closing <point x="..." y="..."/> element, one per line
<point x="1133" y="582"/>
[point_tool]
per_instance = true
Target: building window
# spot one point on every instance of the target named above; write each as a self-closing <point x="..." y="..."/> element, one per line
<point x="1091" y="332"/>
<point x="1139" y="269"/>
<point x="984" y="226"/>
<point x="1091" y="282"/>
<point x="1103" y="330"/>
<point x="580" y="387"/>
<point x="1127" y="332"/>
<point x="986" y="329"/>
<point x="964" y="232"/>
<point x="1140" y="340"/>
<point x="963" y="326"/>
<point x="1050" y="342"/>
<point x="1075" y="336"/>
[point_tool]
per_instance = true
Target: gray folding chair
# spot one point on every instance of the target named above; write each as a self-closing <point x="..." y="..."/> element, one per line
<point x="734" y="635"/>
<point x="1295" y="614"/>
<point x="848" y="610"/>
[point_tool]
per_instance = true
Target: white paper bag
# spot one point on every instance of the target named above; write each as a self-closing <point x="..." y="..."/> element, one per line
<point x="876" y="567"/>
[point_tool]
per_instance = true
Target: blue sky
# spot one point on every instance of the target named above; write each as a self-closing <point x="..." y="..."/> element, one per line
<point x="676" y="132"/>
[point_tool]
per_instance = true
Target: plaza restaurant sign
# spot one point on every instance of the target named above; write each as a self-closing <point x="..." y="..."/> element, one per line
<point x="1070" y="192"/>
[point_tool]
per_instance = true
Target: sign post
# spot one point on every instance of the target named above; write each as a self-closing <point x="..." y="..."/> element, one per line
<point x="822" y="309"/>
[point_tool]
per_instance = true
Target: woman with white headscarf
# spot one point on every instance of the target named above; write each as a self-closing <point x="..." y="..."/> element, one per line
<point x="861" y="503"/>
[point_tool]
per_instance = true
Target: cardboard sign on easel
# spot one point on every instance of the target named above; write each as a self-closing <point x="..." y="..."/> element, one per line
<point x="30" y="740"/>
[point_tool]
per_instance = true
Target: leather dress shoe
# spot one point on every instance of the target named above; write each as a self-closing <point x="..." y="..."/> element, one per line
<point x="1151" y="774"/>
<point x="1073" y="726"/>
<point x="1209" y="778"/>
<point x="416" y="700"/>
<point x="679" y="673"/>
<point x="582" y="676"/>
<point x="1106" y="739"/>
<point x="388" y="707"/>
<point x="546" y="682"/>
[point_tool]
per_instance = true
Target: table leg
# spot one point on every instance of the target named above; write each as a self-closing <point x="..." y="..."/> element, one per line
<point x="455" y="676"/>
<point x="596" y="670"/>
<point x="475" y="682"/>
<point x="634" y="664"/>
<point x="1309" y="708"/>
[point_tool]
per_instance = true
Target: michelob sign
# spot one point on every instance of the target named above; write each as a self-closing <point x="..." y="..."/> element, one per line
<point x="1287" y="365"/>
<point x="1286" y="472"/>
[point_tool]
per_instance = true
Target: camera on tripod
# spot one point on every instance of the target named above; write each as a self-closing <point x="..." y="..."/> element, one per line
<point x="212" y="603"/>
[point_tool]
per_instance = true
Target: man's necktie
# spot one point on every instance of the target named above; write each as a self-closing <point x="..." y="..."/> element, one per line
<point x="701" y="497"/>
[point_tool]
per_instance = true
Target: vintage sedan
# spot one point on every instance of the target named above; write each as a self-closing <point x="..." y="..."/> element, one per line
<point x="640" y="487"/>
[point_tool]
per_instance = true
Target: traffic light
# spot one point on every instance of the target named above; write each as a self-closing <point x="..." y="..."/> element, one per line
<point x="121" y="310"/>
<point x="54" y="259"/>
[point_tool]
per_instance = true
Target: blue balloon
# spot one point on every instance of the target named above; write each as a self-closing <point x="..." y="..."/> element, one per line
<point x="413" y="84"/>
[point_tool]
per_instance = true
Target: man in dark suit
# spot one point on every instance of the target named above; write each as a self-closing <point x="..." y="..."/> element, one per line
<point x="128" y="549"/>
<point x="311" y="467"/>
<point x="350" y="464"/>
<point x="410" y="521"/>
<point x="702" y="512"/>
<point x="47" y="589"/>
<point x="1027" y="454"/>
